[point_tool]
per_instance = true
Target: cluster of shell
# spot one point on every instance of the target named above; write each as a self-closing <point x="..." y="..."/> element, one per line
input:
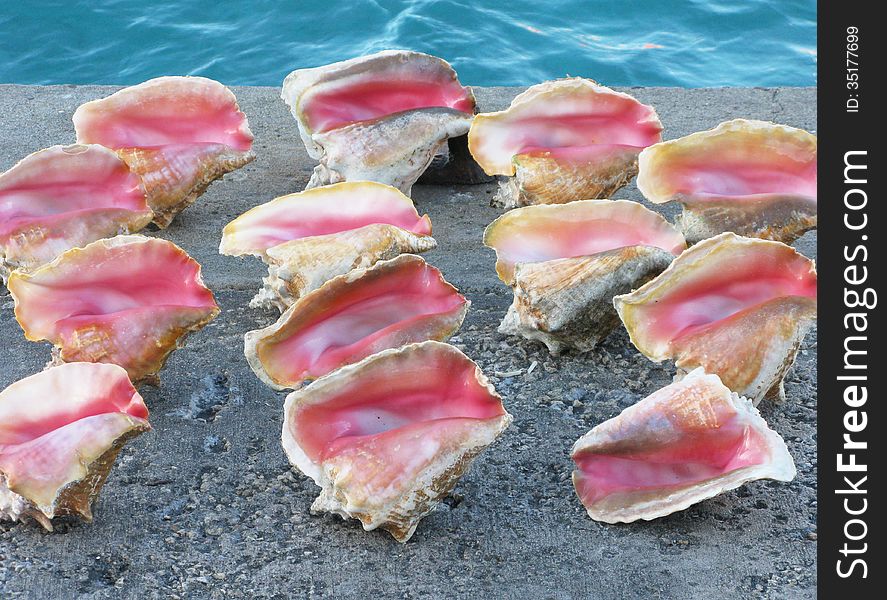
<point x="113" y="304"/>
<point x="383" y="415"/>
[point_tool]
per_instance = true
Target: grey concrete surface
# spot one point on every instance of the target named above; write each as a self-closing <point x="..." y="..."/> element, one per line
<point x="206" y="506"/>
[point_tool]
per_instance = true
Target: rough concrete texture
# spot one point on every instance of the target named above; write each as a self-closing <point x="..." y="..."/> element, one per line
<point x="206" y="506"/>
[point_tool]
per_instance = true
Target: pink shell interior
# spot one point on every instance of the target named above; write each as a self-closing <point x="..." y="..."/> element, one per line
<point x="323" y="211"/>
<point x="430" y="394"/>
<point x="582" y="126"/>
<point x="382" y="96"/>
<point x="723" y="175"/>
<point x="125" y="288"/>
<point x="53" y="420"/>
<point x="747" y="277"/>
<point x="564" y="231"/>
<point x="692" y="455"/>
<point x="64" y="184"/>
<point x="163" y="111"/>
<point x="33" y="408"/>
<point x="368" y="317"/>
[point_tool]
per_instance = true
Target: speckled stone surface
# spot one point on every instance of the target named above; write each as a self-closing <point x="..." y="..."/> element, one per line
<point x="206" y="506"/>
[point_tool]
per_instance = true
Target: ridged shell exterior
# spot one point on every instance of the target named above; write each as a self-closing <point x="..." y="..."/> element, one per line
<point x="695" y="406"/>
<point x="568" y="303"/>
<point x="778" y="216"/>
<point x="400" y="512"/>
<point x="750" y="350"/>
<point x="542" y="179"/>
<point x="394" y="149"/>
<point x="313" y="308"/>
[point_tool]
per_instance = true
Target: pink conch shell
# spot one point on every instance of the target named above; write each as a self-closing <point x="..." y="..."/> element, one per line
<point x="565" y="263"/>
<point x="387" y="438"/>
<point x="65" y="197"/>
<point x="128" y="300"/>
<point x="738" y="307"/>
<point x="381" y="117"/>
<point x="312" y="236"/>
<point x="564" y="140"/>
<point x="178" y="133"/>
<point x="60" y="432"/>
<point x="393" y="303"/>
<point x="753" y="178"/>
<point x="683" y="444"/>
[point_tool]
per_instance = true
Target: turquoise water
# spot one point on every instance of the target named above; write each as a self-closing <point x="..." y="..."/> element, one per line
<point x="689" y="43"/>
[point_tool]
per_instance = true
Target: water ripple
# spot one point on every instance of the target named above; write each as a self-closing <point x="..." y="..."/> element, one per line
<point x="634" y="42"/>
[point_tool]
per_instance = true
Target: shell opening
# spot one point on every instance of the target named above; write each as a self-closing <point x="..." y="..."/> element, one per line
<point x="395" y="302"/>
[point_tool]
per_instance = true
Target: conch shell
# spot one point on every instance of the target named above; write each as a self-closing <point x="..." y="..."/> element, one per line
<point x="65" y="197"/>
<point x="565" y="263"/>
<point x="381" y="117"/>
<point x="129" y="300"/>
<point x="683" y="444"/>
<point x="60" y="432"/>
<point x="310" y="237"/>
<point x="178" y="133"/>
<point x="753" y="178"/>
<point x="738" y="307"/>
<point x="387" y="438"/>
<point x="352" y="316"/>
<point x="565" y="140"/>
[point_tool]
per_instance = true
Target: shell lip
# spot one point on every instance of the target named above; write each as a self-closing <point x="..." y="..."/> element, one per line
<point x="658" y="190"/>
<point x="156" y="85"/>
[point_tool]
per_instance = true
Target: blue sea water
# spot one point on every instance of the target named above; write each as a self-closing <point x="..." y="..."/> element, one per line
<point x="691" y="43"/>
